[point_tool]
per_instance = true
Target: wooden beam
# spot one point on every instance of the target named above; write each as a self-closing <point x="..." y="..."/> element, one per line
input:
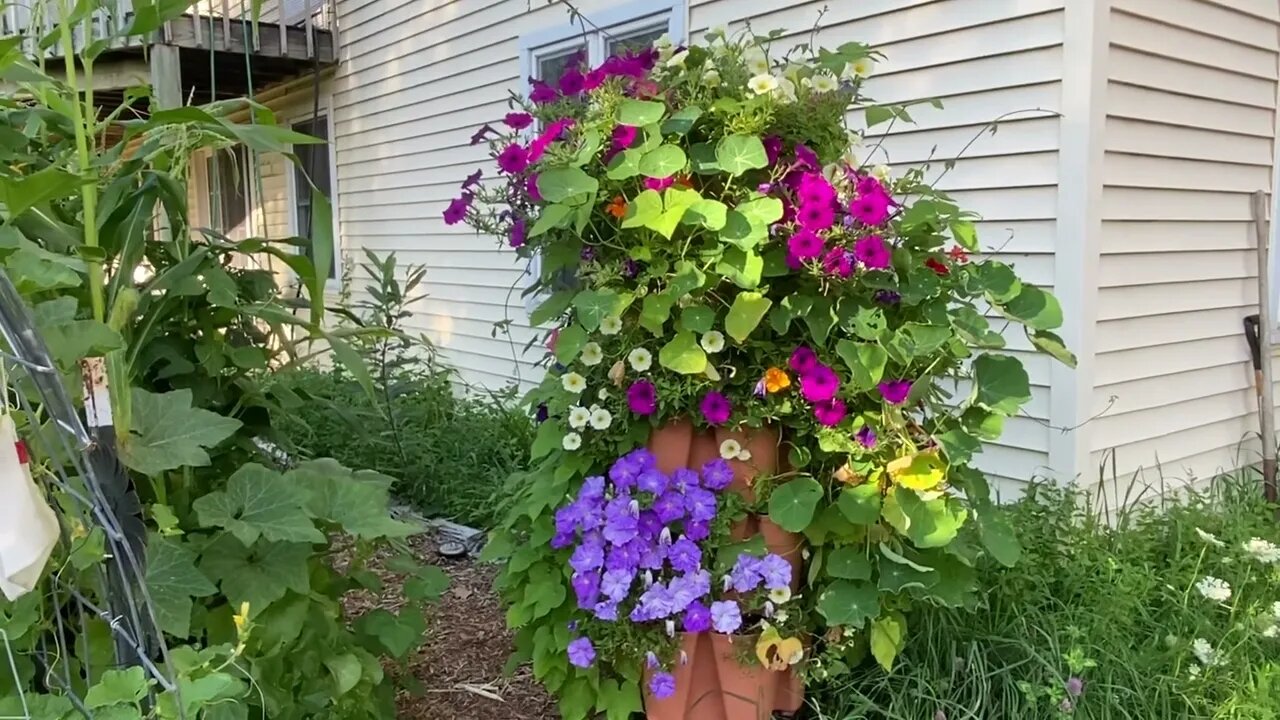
<point x="166" y="77"/>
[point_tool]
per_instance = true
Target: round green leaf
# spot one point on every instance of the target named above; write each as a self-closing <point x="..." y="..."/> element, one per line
<point x="1034" y="308"/>
<point x="792" y="505"/>
<point x="737" y="154"/>
<point x="644" y="209"/>
<point x="561" y="183"/>
<point x="663" y="162"/>
<point x="1055" y="346"/>
<point x="639" y="113"/>
<point x="712" y="214"/>
<point x="697" y="318"/>
<point x="682" y="121"/>
<point x="1000" y="383"/>
<point x="849" y="563"/>
<point x="683" y="354"/>
<point x="849" y="602"/>
<point x="745" y="314"/>
<point x="860" y="504"/>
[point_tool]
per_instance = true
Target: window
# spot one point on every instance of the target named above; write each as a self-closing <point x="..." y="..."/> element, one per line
<point x="227" y="173"/>
<point x="314" y="162"/>
<point x="547" y="54"/>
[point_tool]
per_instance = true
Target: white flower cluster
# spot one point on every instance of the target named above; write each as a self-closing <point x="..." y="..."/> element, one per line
<point x="1214" y="589"/>
<point x="1205" y="653"/>
<point x="1264" y="551"/>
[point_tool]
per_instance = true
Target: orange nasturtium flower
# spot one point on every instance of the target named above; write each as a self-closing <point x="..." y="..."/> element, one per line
<point x="618" y="207"/>
<point x="776" y="380"/>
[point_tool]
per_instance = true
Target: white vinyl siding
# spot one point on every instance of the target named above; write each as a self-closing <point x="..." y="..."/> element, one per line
<point x="1190" y="128"/>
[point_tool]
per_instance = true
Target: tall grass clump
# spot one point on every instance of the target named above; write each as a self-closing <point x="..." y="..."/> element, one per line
<point x="1170" y="612"/>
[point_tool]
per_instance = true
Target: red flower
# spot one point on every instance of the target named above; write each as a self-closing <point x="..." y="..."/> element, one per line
<point x="937" y="267"/>
<point x="958" y="254"/>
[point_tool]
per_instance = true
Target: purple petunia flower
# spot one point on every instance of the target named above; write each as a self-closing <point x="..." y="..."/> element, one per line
<point x="560" y="541"/>
<point x="472" y="180"/>
<point x="764" y="188"/>
<point x="726" y="617"/>
<point x="607" y="611"/>
<point x="804" y="245"/>
<point x="745" y="575"/>
<point x="542" y="93"/>
<point x="662" y="685"/>
<point x="457" y="210"/>
<point x="888" y="297"/>
<point x="630" y="268"/>
<point x="594" y="79"/>
<point x="568" y="518"/>
<point x="871" y="185"/>
<point x="659" y="184"/>
<point x="518" y="235"/>
<point x="815" y="190"/>
<point x="682" y="479"/>
<point x="820" y="384"/>
<point x="839" y="262"/>
<point x="586" y="557"/>
<point x="815" y="217"/>
<point x="867" y="436"/>
<point x="479" y="135"/>
<point x="548" y="136"/>
<point x="626" y="470"/>
<point x="592" y="488"/>
<point x="806" y="158"/>
<point x="586" y="588"/>
<point x="650" y="525"/>
<point x="772" y="148"/>
<point x="652" y="481"/>
<point x="895" y="391"/>
<point x="518" y="120"/>
<point x="669" y="507"/>
<point x="572" y="82"/>
<point x="697" y="530"/>
<point x="531" y="187"/>
<point x="615" y="584"/>
<point x="830" y="413"/>
<point x="775" y="572"/>
<point x="697" y="618"/>
<point x="716" y="408"/>
<point x="872" y="252"/>
<point x="541" y="414"/>
<point x="716" y="474"/>
<point x="803" y="360"/>
<point x="642" y="397"/>
<point x="625" y="557"/>
<point x="581" y="653"/>
<point x="588" y="253"/>
<point x="870" y="208"/>
<point x="620" y="525"/>
<point x="701" y="505"/>
<point x="513" y="159"/>
<point x="684" y="555"/>
<point x="624" y="135"/>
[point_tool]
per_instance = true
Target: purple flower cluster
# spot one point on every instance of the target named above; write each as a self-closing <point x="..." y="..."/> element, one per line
<point x="819" y="385"/>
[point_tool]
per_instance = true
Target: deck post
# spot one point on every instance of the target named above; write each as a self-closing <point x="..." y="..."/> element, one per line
<point x="166" y="93"/>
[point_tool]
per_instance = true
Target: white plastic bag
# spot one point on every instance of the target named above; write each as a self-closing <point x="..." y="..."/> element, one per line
<point x="28" y="527"/>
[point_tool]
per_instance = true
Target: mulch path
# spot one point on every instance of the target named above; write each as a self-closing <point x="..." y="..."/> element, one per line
<point x="461" y="663"/>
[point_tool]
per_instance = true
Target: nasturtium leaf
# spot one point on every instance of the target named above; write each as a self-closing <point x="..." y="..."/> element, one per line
<point x="918" y="471"/>
<point x="259" y="502"/>
<point x="561" y="183"/>
<point x="849" y="563"/>
<point x="1055" y="346"/>
<point x="592" y="306"/>
<point x="688" y="277"/>
<point x="780" y="318"/>
<point x="958" y="445"/>
<point x="762" y="211"/>
<point x="745" y="314"/>
<point x="866" y="362"/>
<point x="860" y="504"/>
<point x="983" y="423"/>
<point x="736" y="154"/>
<point x="683" y="354"/>
<point x="888" y="638"/>
<point x="168" y="433"/>
<point x="624" y="165"/>
<point x="849" y="602"/>
<point x="697" y="318"/>
<point x="868" y="323"/>
<point x="639" y="113"/>
<point x="702" y="158"/>
<point x="974" y="328"/>
<point x="1000" y="383"/>
<point x="591" y="142"/>
<point x="552" y="216"/>
<point x="739" y="231"/>
<point x="681" y="121"/>
<point x="582" y="214"/>
<point x="1034" y="308"/>
<point x="551" y="308"/>
<point x="998" y="537"/>
<point x="360" y="507"/>
<point x="569" y="343"/>
<point x="927" y="523"/>
<point x="172" y="580"/>
<point x="711" y="214"/>
<point x="923" y="340"/>
<point x="965" y="234"/>
<point x="742" y="267"/>
<point x="260" y="575"/>
<point x="996" y="280"/>
<point x="676" y="202"/>
<point x="899" y="573"/>
<point x="663" y="162"/>
<point x="118" y="686"/>
<point x="956" y="582"/>
<point x="655" y="310"/>
<point x="643" y="209"/>
<point x="792" y="504"/>
<point x="820" y="318"/>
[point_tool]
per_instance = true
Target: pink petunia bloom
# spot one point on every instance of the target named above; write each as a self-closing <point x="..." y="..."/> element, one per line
<point x="513" y="159"/>
<point x="572" y="82"/>
<point x="815" y="190"/>
<point x="517" y="120"/>
<point x="803" y="360"/>
<point x="820" y="384"/>
<point x="805" y="245"/>
<point x="807" y="158"/>
<point x="457" y="210"/>
<point x="642" y="397"/>
<point x="872" y="252"/>
<point x="548" y="136"/>
<point x="869" y="184"/>
<point x="772" y="148"/>
<point x="788" y="212"/>
<point x="830" y="413"/>
<point x="624" y="135"/>
<point x="870" y="208"/>
<point x="895" y="391"/>
<point x="815" y="217"/>
<point x="716" y="408"/>
<point x="594" y="79"/>
<point x="838" y="261"/>
<point x="542" y="93"/>
<point x="517" y="236"/>
<point x="531" y="187"/>
<point x="659" y="184"/>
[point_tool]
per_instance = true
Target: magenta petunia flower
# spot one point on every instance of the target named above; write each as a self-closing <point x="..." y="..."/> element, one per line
<point x="642" y="397"/>
<point x="815" y="217"/>
<point x="518" y="120"/>
<point x="870" y="184"/>
<point x="594" y="79"/>
<point x="829" y="413"/>
<point x="895" y="391"/>
<point x="805" y="245"/>
<point x="803" y="360"/>
<point x="815" y="190"/>
<point x="548" y="136"/>
<point x="457" y="210"/>
<point x="870" y="208"/>
<point x="838" y="261"/>
<point x="572" y="82"/>
<point x="624" y="135"/>
<point x="867" y="436"/>
<point x="480" y="134"/>
<point x="662" y="685"/>
<point x="542" y="93"/>
<point x="659" y="184"/>
<point x="581" y="653"/>
<point x="772" y="148"/>
<point x="872" y="252"/>
<point x="517" y="237"/>
<point x="531" y="187"/>
<point x="513" y="159"/>
<point x="472" y="180"/>
<point x="820" y="384"/>
<point x="716" y="408"/>
<point x="807" y="158"/>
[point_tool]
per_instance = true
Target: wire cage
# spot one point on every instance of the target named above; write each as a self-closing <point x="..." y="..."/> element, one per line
<point x="91" y="611"/>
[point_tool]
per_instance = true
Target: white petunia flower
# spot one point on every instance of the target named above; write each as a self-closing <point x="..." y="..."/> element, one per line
<point x="591" y="355"/>
<point x="786" y="91"/>
<point x="762" y="84"/>
<point x="571" y="441"/>
<point x="640" y="359"/>
<point x="1264" y="551"/>
<point x="781" y="616"/>
<point x="1214" y="589"/>
<point x="713" y="341"/>
<point x="756" y="61"/>
<point x="573" y="382"/>
<point x="603" y="394"/>
<point x="579" y="417"/>
<point x="1205" y="653"/>
<point x="711" y="78"/>
<point x="780" y="595"/>
<point x="678" y="59"/>
<point x="610" y="326"/>
<point x="663" y="41"/>
<point x="1210" y="538"/>
<point x="601" y="419"/>
<point x="883" y="173"/>
<point x="862" y="67"/>
<point x="730" y="449"/>
<point x="824" y="82"/>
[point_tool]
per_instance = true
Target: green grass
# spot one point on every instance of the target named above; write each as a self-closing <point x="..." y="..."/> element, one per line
<point x="1116" y="607"/>
<point x="449" y="454"/>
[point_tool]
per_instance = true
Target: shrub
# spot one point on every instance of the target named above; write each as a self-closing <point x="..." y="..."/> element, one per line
<point x="1116" y="609"/>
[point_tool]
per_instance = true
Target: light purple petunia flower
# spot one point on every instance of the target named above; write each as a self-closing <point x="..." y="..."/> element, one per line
<point x="697" y="531"/>
<point x="625" y="557"/>
<point x="620" y="525"/>
<point x="700" y="504"/>
<point x="726" y="617"/>
<point x="684" y="555"/>
<point x="697" y="618"/>
<point x="716" y="474"/>
<point x="682" y="479"/>
<point x="581" y="653"/>
<point x="586" y="557"/>
<point x="669" y="507"/>
<point x="586" y="588"/>
<point x="615" y="584"/>
<point x="662" y="685"/>
<point x="745" y="575"/>
<point x="867" y="436"/>
<point x="652" y="481"/>
<point x="775" y="572"/>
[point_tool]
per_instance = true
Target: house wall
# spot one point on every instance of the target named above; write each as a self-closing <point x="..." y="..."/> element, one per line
<point x="1190" y="123"/>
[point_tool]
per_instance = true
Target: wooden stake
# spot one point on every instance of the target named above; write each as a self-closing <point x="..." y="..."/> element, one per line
<point x="1266" y="324"/>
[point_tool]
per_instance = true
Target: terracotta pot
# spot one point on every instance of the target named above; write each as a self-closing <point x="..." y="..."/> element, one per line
<point x="671" y="445"/>
<point x="747" y="691"/>
<point x="790" y="693"/>
<point x="697" y="694"/>
<point x="787" y="545"/>
<point x="763" y="446"/>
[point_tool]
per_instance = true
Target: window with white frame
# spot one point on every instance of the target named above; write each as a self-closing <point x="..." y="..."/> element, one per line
<point x="547" y="54"/>
<point x="314" y="167"/>
<point x="228" y="178"/>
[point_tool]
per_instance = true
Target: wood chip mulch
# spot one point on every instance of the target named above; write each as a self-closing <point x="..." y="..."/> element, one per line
<point x="460" y="665"/>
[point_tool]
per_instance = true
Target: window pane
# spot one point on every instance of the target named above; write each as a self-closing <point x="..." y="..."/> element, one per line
<point x="228" y="175"/>
<point x="635" y="40"/>
<point x="313" y="163"/>
<point x="551" y="67"/>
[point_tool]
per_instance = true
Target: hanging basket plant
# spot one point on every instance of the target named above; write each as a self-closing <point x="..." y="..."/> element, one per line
<point x="770" y="367"/>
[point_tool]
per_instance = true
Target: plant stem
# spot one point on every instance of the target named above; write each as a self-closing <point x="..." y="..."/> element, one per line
<point x="84" y="116"/>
